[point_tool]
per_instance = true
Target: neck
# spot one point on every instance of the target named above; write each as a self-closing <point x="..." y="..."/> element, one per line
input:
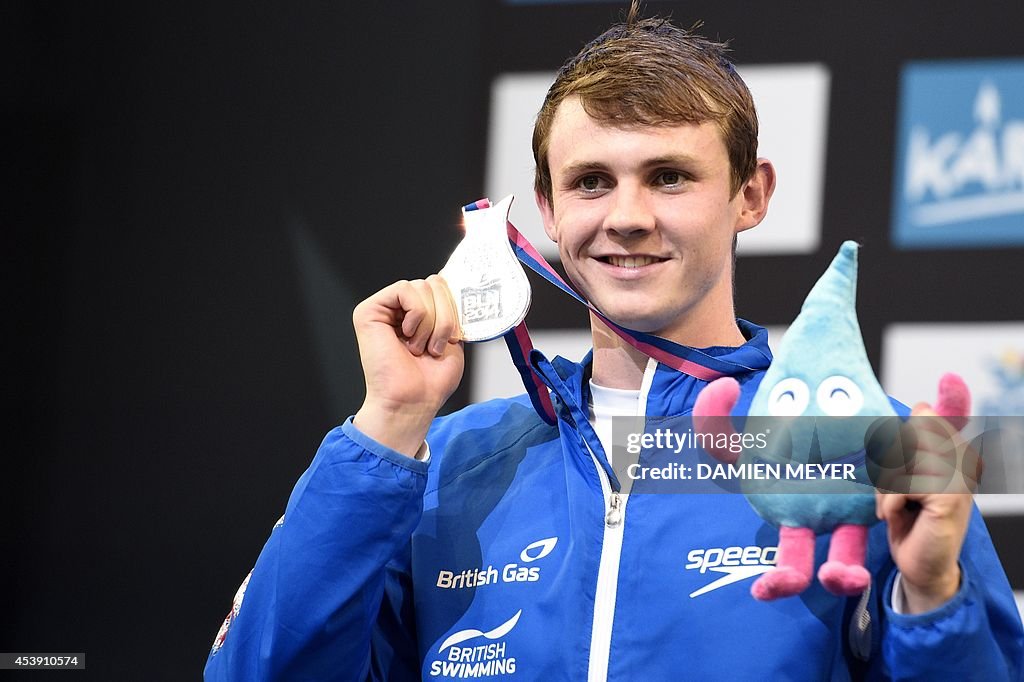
<point x="618" y="365"/>
<point x="712" y="322"/>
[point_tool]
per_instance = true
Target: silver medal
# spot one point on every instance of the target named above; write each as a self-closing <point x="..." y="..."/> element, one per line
<point x="490" y="288"/>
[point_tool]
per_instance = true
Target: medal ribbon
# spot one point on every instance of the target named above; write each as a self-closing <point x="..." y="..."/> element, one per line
<point x="690" y="361"/>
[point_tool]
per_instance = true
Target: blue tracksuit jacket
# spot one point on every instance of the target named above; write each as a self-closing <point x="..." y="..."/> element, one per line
<point x="511" y="556"/>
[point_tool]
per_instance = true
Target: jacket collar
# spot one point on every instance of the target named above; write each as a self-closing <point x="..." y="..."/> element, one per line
<point x="672" y="392"/>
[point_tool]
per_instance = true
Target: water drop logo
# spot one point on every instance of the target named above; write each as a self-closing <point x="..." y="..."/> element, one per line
<point x="538" y="550"/>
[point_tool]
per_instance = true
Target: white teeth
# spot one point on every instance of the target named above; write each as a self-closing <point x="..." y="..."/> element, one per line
<point x="630" y="261"/>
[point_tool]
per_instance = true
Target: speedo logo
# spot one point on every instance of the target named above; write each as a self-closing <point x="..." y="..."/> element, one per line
<point x="509" y="573"/>
<point x="735" y="563"/>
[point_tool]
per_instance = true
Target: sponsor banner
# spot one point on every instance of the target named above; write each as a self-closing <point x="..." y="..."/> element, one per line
<point x="792" y="110"/>
<point x="792" y="106"/>
<point x="960" y="155"/>
<point x="515" y="100"/>
<point x="989" y="357"/>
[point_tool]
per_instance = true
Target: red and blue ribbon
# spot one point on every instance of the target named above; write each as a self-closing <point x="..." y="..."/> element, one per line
<point x="691" y="361"/>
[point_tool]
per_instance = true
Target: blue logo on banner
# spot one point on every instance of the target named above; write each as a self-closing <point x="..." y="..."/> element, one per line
<point x="960" y="160"/>
<point x="1008" y="375"/>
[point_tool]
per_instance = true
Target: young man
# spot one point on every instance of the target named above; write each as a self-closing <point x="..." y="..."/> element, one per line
<point x="491" y="544"/>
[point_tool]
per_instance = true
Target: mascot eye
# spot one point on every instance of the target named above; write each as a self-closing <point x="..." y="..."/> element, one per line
<point x="788" y="398"/>
<point x="838" y="396"/>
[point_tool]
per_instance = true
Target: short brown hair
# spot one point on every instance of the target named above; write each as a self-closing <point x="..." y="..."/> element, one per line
<point x="651" y="72"/>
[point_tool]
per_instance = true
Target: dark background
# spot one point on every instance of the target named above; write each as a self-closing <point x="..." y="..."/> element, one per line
<point x="198" y="195"/>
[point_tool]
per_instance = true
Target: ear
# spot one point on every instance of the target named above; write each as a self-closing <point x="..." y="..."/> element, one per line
<point x="755" y="194"/>
<point x="547" y="215"/>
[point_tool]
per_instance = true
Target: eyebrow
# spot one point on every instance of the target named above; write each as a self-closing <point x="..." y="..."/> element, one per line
<point x="579" y="167"/>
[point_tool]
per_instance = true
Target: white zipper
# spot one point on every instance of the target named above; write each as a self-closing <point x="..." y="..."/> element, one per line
<point x="611" y="553"/>
<point x="607" y="577"/>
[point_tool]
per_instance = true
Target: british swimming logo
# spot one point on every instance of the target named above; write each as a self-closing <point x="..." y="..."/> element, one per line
<point x="475" y="653"/>
<point x="960" y="156"/>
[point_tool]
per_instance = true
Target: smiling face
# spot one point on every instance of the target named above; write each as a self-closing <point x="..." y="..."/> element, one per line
<point x="644" y="218"/>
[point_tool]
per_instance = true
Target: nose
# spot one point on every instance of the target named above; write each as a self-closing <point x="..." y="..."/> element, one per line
<point x="629" y="213"/>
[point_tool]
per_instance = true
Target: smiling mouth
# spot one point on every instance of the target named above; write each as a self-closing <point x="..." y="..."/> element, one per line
<point x="630" y="261"/>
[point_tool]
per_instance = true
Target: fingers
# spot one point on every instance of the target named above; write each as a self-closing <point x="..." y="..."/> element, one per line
<point x="418" y="323"/>
<point x="421" y="311"/>
<point x="929" y="425"/>
<point x="446" y="327"/>
<point x="926" y="456"/>
<point x="436" y="323"/>
<point x="942" y="453"/>
<point x="894" y="508"/>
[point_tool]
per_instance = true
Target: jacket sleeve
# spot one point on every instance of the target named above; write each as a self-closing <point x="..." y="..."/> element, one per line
<point x="310" y="606"/>
<point x="976" y="635"/>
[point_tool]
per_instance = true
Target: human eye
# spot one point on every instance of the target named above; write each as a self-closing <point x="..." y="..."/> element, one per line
<point x="591" y="183"/>
<point x="671" y="179"/>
